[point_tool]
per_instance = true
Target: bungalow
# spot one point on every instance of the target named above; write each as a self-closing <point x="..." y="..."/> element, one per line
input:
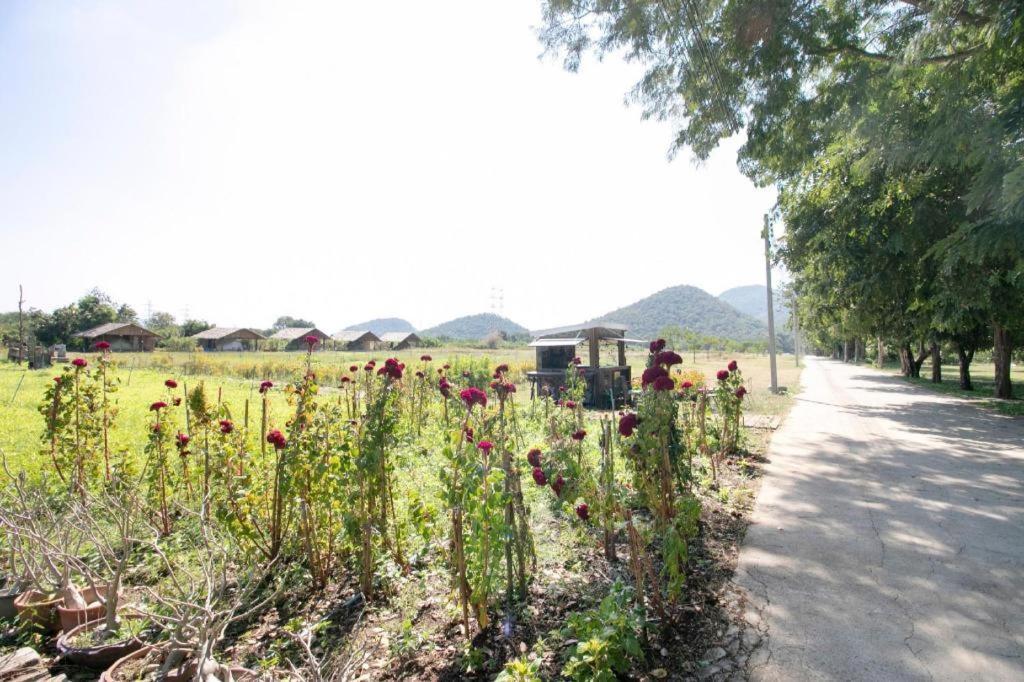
<point x="357" y="340"/>
<point x="227" y="338"/>
<point x="122" y="336"/>
<point x="295" y="337"/>
<point x="401" y="340"/>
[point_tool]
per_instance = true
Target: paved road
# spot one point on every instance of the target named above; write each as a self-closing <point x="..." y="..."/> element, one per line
<point x="888" y="541"/>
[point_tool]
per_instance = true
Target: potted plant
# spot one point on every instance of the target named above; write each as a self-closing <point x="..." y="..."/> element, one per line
<point x="12" y="584"/>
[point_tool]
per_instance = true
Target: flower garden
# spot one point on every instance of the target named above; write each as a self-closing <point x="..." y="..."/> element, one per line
<point x="390" y="519"/>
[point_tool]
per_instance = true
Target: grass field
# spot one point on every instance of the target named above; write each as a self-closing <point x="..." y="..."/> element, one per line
<point x="235" y="377"/>
<point x="983" y="378"/>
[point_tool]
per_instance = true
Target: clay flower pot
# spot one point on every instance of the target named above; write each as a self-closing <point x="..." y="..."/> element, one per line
<point x="183" y="673"/>
<point x="72" y="618"/>
<point x="39" y="608"/>
<point x="96" y="656"/>
<point x="10" y="591"/>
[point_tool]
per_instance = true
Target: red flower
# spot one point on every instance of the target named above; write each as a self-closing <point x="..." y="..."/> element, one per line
<point x="583" y="511"/>
<point x="266" y="386"/>
<point x="570" y="404"/>
<point x="444" y="387"/>
<point x="57" y="379"/>
<point x="533" y="457"/>
<point x="368" y="367"/>
<point x="158" y="405"/>
<point x="392" y="369"/>
<point x="723" y="374"/>
<point x="538" y="476"/>
<point x="465" y="374"/>
<point x="509" y="387"/>
<point x="468" y="433"/>
<point x="425" y="358"/>
<point x="579" y="435"/>
<point x="486" y="446"/>
<point x="171" y="383"/>
<point x="668" y="358"/>
<point x="79" y="363"/>
<point x="277" y="439"/>
<point x="176" y="401"/>
<point x="312" y="341"/>
<point x="664" y="383"/>
<point x="345" y="380"/>
<point x="155" y="427"/>
<point x="577" y="361"/>
<point x="182" y="440"/>
<point x="628" y="424"/>
<point x="558" y="484"/>
<point x="502" y="368"/>
<point x="652" y="373"/>
<point x="473" y="396"/>
<point x="102" y="345"/>
<point x="686" y="385"/>
<point x="446" y="366"/>
<point x="353" y="368"/>
<point x="733" y="366"/>
<point x="371" y="363"/>
<point x="657" y="346"/>
<point x="740" y="392"/>
<point x="226" y="426"/>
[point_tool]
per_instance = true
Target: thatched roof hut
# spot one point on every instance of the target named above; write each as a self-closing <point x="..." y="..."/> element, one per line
<point x="401" y="340"/>
<point x="122" y="336"/>
<point x="227" y="338"/>
<point x="295" y="337"/>
<point x="350" y="339"/>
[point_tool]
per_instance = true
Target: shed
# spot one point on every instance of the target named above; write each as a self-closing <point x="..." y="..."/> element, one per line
<point x="608" y="386"/>
<point x="122" y="336"/>
<point x="228" y="338"/>
<point x="295" y="337"/>
<point x="350" y="339"/>
<point x="401" y="340"/>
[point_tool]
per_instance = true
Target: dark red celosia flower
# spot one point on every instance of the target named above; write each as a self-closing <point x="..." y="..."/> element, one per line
<point x="657" y="346"/>
<point x="668" y="358"/>
<point x="367" y="367"/>
<point x="155" y="427"/>
<point x="583" y="511"/>
<point x="628" y="424"/>
<point x="501" y="369"/>
<point x="102" y="345"/>
<point x="533" y="457"/>
<point x="486" y="446"/>
<point x="181" y="440"/>
<point x="176" y="401"/>
<point x="158" y="405"/>
<point x="509" y="387"/>
<point x="425" y="358"/>
<point x="465" y="374"/>
<point x="577" y="361"/>
<point x="558" y="484"/>
<point x="266" y="386"/>
<point x="446" y="366"/>
<point x="473" y="396"/>
<point x="468" y="433"/>
<point x="226" y="426"/>
<point x="652" y="373"/>
<point x="723" y="374"/>
<point x="538" y="476"/>
<point x="733" y="366"/>
<point x="444" y="387"/>
<point x="579" y="435"/>
<point x="663" y="384"/>
<point x="494" y="385"/>
<point x="353" y="368"/>
<point x="345" y="380"/>
<point x="312" y="341"/>
<point x="79" y="363"/>
<point x="420" y="375"/>
<point x="310" y="376"/>
<point x="392" y="368"/>
<point x="57" y="379"/>
<point x="569" y="404"/>
<point x="371" y="363"/>
<point x="277" y="439"/>
<point x="686" y="385"/>
<point x="740" y="392"/>
<point x="171" y="383"/>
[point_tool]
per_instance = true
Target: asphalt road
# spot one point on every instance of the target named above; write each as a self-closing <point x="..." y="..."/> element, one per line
<point x="888" y="537"/>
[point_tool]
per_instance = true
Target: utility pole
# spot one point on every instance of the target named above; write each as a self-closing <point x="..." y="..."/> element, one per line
<point x="796" y="327"/>
<point x="21" y="324"/>
<point x="771" y="306"/>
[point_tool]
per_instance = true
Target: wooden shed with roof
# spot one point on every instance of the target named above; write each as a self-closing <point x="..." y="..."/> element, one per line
<point x="401" y="340"/>
<point x="608" y="386"/>
<point x="295" y="337"/>
<point x="350" y="339"/>
<point x="122" y="336"/>
<point x="228" y="339"/>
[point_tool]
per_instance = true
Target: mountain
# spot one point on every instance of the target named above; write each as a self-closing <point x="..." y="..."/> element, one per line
<point x="690" y="308"/>
<point x="383" y="325"/>
<point x="751" y="300"/>
<point x="474" y="327"/>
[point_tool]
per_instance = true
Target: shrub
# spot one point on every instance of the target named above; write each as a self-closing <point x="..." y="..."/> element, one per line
<point x="608" y="638"/>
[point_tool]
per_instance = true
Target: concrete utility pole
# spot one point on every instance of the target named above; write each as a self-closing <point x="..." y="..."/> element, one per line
<point x="771" y="306"/>
<point x="21" y="324"/>
<point x="796" y="327"/>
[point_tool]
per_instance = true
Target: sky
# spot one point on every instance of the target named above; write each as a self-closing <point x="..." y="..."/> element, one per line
<point x="340" y="161"/>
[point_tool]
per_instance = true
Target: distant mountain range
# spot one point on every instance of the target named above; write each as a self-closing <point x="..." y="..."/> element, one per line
<point x="475" y="327"/>
<point x="752" y="300"/>
<point x="690" y="308"/>
<point x="383" y="325"/>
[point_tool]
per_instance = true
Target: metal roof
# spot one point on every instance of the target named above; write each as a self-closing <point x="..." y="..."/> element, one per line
<point x="605" y="330"/>
<point x="222" y="333"/>
<point x="546" y="343"/>
<point x="355" y="335"/>
<point x="115" y="329"/>
<point x="292" y="333"/>
<point x="398" y="337"/>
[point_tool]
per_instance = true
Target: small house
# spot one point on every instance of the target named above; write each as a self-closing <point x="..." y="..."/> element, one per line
<point x="227" y="339"/>
<point x="401" y="340"/>
<point x="122" y="336"/>
<point x="295" y="337"/>
<point x="608" y="386"/>
<point x="348" y="339"/>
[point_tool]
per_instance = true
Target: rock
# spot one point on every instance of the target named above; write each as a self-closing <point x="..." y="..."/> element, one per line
<point x="715" y="654"/>
<point x="751" y="639"/>
<point x="659" y="673"/>
<point x="759" y="657"/>
<point x="709" y="672"/>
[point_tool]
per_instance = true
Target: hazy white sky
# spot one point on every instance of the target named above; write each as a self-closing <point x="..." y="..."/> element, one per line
<point x="340" y="161"/>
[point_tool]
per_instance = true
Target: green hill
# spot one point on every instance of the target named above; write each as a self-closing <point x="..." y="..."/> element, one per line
<point x="474" y="327"/>
<point x="383" y="325"/>
<point x="751" y="300"/>
<point x="690" y="308"/>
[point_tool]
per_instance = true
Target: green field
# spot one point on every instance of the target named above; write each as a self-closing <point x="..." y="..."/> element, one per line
<point x="983" y="378"/>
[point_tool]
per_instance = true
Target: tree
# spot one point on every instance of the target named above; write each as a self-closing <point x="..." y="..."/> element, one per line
<point x="288" y="321"/>
<point x="192" y="327"/>
<point x="163" y="324"/>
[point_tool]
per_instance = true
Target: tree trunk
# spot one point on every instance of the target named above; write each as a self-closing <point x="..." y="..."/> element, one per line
<point x="858" y="350"/>
<point x="1002" y="349"/>
<point x="965" y="357"/>
<point x="846" y="350"/>
<point x="880" y="360"/>
<point x="936" y="354"/>
<point x="906" y="361"/>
